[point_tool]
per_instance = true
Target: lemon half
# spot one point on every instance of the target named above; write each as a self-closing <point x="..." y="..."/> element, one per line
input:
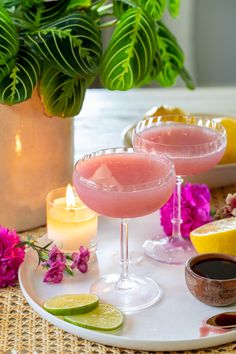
<point x="218" y="237"/>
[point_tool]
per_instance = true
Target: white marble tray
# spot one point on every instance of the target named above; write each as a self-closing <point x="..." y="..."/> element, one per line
<point x="171" y="324"/>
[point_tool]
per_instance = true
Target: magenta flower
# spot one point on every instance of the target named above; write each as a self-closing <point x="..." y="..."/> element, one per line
<point x="195" y="209"/>
<point x="10" y="257"/>
<point x="54" y="273"/>
<point x="55" y="254"/>
<point x="12" y="252"/>
<point x="80" y="259"/>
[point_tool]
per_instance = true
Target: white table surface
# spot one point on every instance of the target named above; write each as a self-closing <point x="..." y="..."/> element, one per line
<point x="106" y="113"/>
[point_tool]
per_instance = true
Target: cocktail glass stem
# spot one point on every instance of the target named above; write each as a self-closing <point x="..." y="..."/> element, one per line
<point x="124" y="282"/>
<point x="130" y="292"/>
<point x="177" y="220"/>
<point x="174" y="249"/>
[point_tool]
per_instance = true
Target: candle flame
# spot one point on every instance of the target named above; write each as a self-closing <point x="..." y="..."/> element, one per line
<point x="18" y="144"/>
<point x="70" y="197"/>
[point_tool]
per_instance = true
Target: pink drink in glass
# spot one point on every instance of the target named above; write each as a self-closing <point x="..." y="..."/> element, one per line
<point x="193" y="158"/>
<point x="195" y="144"/>
<point x="122" y="183"/>
<point x="132" y="185"/>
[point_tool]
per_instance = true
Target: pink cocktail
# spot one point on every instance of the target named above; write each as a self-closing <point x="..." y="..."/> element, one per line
<point x="193" y="149"/>
<point x="195" y="145"/>
<point x="124" y="184"/>
<point x="121" y="183"/>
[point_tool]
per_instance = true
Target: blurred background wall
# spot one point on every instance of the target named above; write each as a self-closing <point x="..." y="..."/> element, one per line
<point x="206" y="31"/>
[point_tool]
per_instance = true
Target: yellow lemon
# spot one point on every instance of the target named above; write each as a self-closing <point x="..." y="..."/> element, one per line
<point x="217" y="236"/>
<point x="230" y="126"/>
<point x="162" y="111"/>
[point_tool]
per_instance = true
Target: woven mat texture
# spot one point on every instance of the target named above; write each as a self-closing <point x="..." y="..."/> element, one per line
<point x="23" y="331"/>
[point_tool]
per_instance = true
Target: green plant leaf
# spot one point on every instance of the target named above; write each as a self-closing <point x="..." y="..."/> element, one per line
<point x="62" y="95"/>
<point x="71" y="44"/>
<point x="6" y="68"/>
<point x="172" y="57"/>
<point x="78" y="4"/>
<point x="187" y="79"/>
<point x="18" y="85"/>
<point x="120" y="6"/>
<point x="155" y="8"/>
<point x="11" y="3"/>
<point x="9" y="41"/>
<point x="173" y="7"/>
<point x="39" y="12"/>
<point x="154" y="71"/>
<point x="131" y="50"/>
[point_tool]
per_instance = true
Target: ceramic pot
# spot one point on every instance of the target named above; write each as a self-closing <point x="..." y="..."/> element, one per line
<point x="36" y="156"/>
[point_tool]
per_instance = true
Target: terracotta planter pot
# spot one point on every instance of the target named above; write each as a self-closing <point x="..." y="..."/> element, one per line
<point x="36" y="156"/>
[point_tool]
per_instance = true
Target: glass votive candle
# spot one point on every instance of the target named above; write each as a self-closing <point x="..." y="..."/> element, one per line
<point x="70" y="223"/>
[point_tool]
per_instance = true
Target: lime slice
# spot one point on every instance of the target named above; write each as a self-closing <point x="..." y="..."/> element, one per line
<point x="104" y="318"/>
<point x="71" y="304"/>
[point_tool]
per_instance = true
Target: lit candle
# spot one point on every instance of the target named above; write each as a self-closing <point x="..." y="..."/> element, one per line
<point x="70" y="223"/>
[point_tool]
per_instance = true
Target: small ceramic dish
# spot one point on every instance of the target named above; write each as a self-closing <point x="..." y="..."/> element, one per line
<point x="211" y="278"/>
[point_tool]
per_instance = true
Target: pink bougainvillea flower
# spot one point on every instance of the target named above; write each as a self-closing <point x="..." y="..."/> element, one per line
<point x="55" y="273"/>
<point x="195" y="209"/>
<point x="55" y="254"/>
<point x="80" y="259"/>
<point x="10" y="256"/>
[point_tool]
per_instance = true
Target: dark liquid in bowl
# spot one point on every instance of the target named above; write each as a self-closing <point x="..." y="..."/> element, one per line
<point x="226" y="319"/>
<point x="215" y="268"/>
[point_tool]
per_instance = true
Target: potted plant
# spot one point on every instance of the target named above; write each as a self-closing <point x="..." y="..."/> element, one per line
<point x="52" y="49"/>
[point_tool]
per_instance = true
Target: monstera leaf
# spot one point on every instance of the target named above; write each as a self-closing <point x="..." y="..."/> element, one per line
<point x="62" y="95"/>
<point x="9" y="42"/>
<point x="18" y="85"/>
<point x="72" y="45"/>
<point x="131" y="50"/>
<point x="172" y="57"/>
<point x="155" y="8"/>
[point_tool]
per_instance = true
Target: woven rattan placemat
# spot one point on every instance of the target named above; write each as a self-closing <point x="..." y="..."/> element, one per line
<point x="22" y="330"/>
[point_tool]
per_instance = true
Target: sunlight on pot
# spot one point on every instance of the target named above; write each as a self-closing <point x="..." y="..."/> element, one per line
<point x="36" y="154"/>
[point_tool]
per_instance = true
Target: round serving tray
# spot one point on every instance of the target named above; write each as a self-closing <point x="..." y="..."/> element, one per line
<point x="171" y="324"/>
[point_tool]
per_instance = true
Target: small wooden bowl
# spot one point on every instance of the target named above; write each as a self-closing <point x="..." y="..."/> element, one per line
<point x="212" y="292"/>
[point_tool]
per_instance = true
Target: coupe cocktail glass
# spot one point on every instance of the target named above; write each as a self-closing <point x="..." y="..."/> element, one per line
<point x="195" y="144"/>
<point x="121" y="183"/>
